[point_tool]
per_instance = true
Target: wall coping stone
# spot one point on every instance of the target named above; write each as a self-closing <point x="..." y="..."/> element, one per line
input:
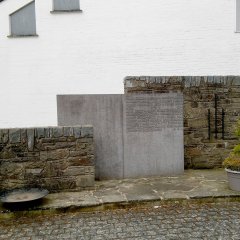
<point x="16" y="135"/>
<point x="186" y="81"/>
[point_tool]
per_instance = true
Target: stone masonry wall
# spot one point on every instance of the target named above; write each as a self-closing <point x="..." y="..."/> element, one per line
<point x="211" y="108"/>
<point x="55" y="158"/>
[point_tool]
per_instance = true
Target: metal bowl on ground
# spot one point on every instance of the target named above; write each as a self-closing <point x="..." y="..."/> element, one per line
<point x="23" y="195"/>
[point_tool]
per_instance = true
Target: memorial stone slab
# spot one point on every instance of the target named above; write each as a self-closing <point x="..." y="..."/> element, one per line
<point x="135" y="135"/>
<point x="153" y="135"/>
<point x="104" y="112"/>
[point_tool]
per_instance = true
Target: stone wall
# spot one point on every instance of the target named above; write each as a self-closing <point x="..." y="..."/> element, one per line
<point x="55" y="158"/>
<point x="211" y="108"/>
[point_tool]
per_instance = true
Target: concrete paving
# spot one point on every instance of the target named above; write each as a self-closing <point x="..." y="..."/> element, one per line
<point x="193" y="184"/>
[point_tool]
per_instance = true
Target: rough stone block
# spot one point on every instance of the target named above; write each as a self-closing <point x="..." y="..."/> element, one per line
<point x="68" y="131"/>
<point x="81" y="161"/>
<point x="57" y="154"/>
<point x="85" y="181"/>
<point x="47" y="132"/>
<point x="7" y="154"/>
<point x="58" y="184"/>
<point x="56" y="132"/>
<point x="89" y="170"/>
<point x="12" y="170"/>
<point x="142" y="78"/>
<point x="151" y="79"/>
<point x="40" y="133"/>
<point x="30" y="137"/>
<point x="201" y="162"/>
<point x="236" y="81"/>
<point x="217" y="79"/>
<point x="79" y="153"/>
<point x="80" y="142"/>
<point x="187" y="81"/>
<point x="43" y="155"/>
<point x="15" y="135"/>
<point x="34" y="171"/>
<point x="74" y="171"/>
<point x="77" y="132"/>
<point x="24" y="135"/>
<point x="128" y="83"/>
<point x="87" y="131"/>
<point x="69" y="145"/>
<point x="49" y="140"/>
<point x="210" y="79"/>
<point x="5" y="135"/>
<point x="55" y="168"/>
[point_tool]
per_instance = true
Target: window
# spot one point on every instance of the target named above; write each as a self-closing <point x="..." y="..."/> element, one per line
<point x="23" y="21"/>
<point x="237" y="15"/>
<point x="66" y="5"/>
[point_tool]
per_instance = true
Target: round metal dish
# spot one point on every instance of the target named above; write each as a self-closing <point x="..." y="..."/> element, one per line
<point x="23" y="195"/>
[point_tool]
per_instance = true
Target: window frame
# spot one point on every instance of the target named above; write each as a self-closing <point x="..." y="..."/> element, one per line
<point x="237" y="5"/>
<point x="11" y="22"/>
<point x="54" y="10"/>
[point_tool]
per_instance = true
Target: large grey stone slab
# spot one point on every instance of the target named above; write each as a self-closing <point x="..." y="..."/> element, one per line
<point x="153" y="134"/>
<point x="104" y="112"/>
<point x="135" y="135"/>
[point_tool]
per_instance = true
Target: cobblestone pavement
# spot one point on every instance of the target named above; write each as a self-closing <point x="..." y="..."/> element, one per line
<point x="166" y="221"/>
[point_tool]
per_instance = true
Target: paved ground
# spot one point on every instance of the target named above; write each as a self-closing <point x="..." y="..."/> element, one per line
<point x="179" y="208"/>
<point x="171" y="220"/>
<point x="193" y="184"/>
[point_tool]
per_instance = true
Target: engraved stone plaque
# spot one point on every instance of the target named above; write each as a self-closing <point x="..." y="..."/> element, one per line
<point x="150" y="113"/>
<point x="153" y="134"/>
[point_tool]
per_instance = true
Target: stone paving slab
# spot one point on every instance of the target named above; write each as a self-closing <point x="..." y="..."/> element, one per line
<point x="193" y="184"/>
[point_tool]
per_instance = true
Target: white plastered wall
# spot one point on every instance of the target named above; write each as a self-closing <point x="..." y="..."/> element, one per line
<point x="92" y="51"/>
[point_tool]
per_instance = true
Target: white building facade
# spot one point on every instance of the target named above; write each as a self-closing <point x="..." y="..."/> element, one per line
<point x="92" y="51"/>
